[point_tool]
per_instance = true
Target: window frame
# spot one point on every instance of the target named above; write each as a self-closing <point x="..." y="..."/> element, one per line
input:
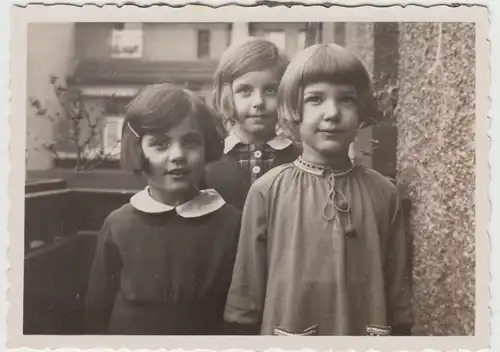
<point x="205" y="45"/>
<point x="128" y="27"/>
<point x="105" y="147"/>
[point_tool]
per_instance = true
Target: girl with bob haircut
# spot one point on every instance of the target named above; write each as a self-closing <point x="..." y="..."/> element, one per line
<point x="245" y="94"/>
<point x="322" y="250"/>
<point x="164" y="260"/>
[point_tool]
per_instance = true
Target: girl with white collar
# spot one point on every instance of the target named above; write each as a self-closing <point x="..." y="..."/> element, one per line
<point x="164" y="261"/>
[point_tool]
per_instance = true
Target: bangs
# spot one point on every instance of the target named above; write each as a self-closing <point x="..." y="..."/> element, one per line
<point x="156" y="111"/>
<point x="252" y="55"/>
<point x="259" y="60"/>
<point x="329" y="64"/>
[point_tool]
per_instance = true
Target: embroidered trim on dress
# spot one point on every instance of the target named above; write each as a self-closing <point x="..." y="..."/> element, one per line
<point x="378" y="330"/>
<point x="320" y="170"/>
<point x="310" y="331"/>
<point x="337" y="202"/>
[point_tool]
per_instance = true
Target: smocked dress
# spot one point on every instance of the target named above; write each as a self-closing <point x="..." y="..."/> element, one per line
<point x="163" y="270"/>
<point x="321" y="255"/>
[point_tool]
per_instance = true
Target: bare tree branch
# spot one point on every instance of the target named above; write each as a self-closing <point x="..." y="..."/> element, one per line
<point x="77" y="114"/>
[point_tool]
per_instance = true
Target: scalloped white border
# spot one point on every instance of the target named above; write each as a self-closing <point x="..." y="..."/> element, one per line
<point x="412" y="13"/>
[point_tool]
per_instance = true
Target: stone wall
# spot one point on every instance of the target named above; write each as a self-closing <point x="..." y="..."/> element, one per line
<point x="436" y="158"/>
<point x="432" y="67"/>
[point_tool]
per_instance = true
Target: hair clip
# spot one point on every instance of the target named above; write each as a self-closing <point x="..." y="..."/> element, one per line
<point x="131" y="129"/>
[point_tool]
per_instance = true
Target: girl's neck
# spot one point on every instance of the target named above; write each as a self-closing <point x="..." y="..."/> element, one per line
<point x="337" y="162"/>
<point x="172" y="198"/>
<point x="253" y="138"/>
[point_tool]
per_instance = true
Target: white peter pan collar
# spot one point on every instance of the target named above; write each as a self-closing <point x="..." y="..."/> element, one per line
<point x="206" y="202"/>
<point x="277" y="143"/>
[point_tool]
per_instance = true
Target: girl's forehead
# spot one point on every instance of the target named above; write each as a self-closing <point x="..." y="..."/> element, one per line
<point x="258" y="77"/>
<point x="329" y="85"/>
<point x="186" y="125"/>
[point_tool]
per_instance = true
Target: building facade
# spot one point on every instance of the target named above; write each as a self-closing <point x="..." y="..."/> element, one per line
<point x="110" y="62"/>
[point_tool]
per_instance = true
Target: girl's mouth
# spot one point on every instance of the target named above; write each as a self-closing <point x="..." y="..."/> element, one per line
<point x="331" y="132"/>
<point x="180" y="172"/>
<point x="258" y="116"/>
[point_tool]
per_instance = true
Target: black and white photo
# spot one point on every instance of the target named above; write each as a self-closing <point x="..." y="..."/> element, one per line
<point x="220" y="172"/>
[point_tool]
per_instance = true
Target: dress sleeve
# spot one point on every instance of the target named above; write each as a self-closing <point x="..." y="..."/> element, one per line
<point x="103" y="283"/>
<point x="246" y="295"/>
<point x="398" y="273"/>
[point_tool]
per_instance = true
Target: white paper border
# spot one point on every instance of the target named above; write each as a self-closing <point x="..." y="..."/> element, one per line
<point x="342" y="343"/>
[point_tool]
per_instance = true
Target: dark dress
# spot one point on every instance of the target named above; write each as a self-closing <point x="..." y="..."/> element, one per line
<point x="162" y="273"/>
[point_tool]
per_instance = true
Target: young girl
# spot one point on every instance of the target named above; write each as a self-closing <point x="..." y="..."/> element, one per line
<point x="164" y="261"/>
<point x="246" y="84"/>
<point x="322" y="248"/>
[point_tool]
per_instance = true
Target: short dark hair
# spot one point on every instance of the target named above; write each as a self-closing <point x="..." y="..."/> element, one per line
<point x="254" y="54"/>
<point x="157" y="109"/>
<point x="322" y="62"/>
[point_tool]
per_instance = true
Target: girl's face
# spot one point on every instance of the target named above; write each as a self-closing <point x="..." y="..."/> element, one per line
<point x="329" y="121"/>
<point x="255" y="101"/>
<point x="176" y="160"/>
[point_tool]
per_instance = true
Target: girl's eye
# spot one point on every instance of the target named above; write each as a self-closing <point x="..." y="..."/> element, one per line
<point x="192" y="142"/>
<point x="245" y="90"/>
<point x="162" y="145"/>
<point x="313" y="99"/>
<point x="271" y="91"/>
<point x="349" y="100"/>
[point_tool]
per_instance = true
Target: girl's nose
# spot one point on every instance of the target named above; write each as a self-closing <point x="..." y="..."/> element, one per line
<point x="331" y="111"/>
<point x="176" y="152"/>
<point x="258" y="100"/>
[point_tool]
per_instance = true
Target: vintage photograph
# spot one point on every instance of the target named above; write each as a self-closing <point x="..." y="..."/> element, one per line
<point x="257" y="178"/>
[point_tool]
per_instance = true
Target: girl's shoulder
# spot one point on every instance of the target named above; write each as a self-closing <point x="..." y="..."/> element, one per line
<point x="228" y="217"/>
<point x="122" y="217"/>
<point x="228" y="214"/>
<point x="224" y="161"/>
<point x="229" y="210"/>
<point x="224" y="168"/>
<point x="124" y="212"/>
<point x="273" y="176"/>
<point x="380" y="186"/>
<point x="376" y="177"/>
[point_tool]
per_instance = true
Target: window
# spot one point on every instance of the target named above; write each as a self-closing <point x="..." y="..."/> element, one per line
<point x="112" y="134"/>
<point x="203" y="44"/>
<point x="278" y="38"/>
<point x="126" y="40"/>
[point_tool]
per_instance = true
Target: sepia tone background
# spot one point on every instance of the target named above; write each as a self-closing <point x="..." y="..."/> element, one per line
<point x="424" y="78"/>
